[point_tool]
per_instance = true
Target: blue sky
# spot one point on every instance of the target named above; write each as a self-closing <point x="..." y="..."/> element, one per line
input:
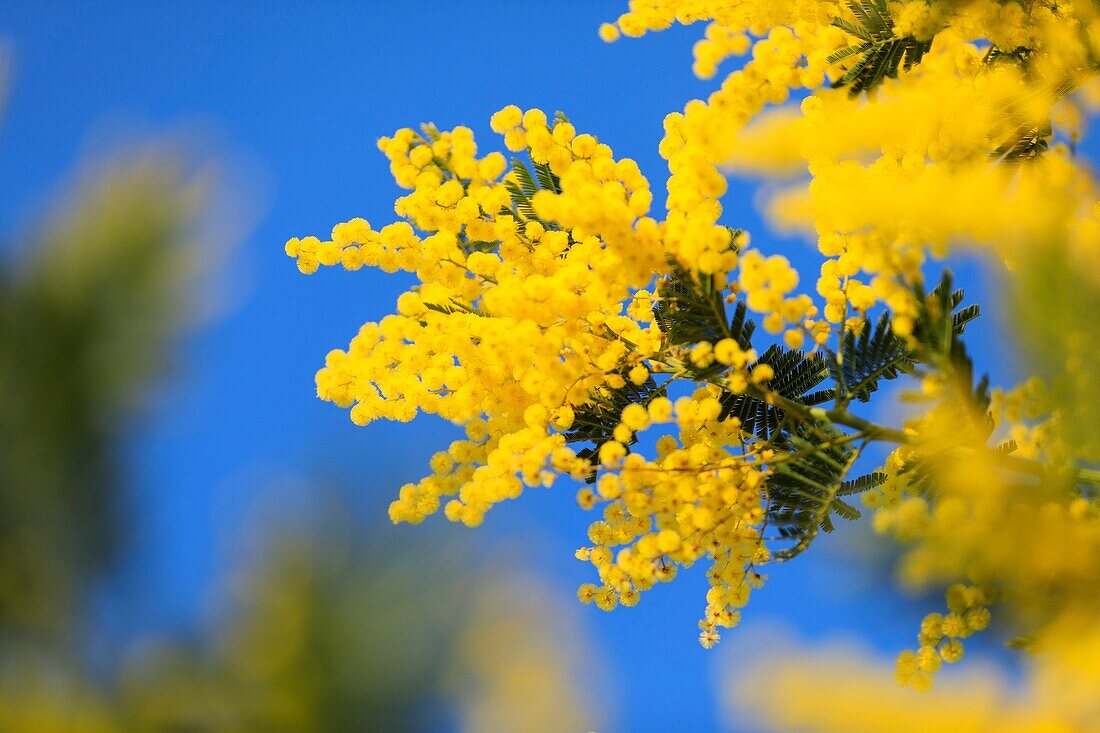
<point x="293" y="95"/>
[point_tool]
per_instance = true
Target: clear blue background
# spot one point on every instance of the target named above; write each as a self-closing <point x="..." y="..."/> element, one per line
<point x="294" y="95"/>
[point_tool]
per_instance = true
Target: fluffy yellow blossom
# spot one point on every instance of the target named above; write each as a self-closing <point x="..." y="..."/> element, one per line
<point x="557" y="306"/>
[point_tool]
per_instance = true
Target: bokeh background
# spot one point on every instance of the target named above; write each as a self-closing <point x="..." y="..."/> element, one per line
<point x="194" y="542"/>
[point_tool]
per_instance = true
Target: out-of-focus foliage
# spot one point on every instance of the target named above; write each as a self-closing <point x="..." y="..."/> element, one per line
<point x="322" y="630"/>
<point x="319" y="628"/>
<point x="1055" y="297"/>
<point x="44" y="691"/>
<point x="314" y="632"/>
<point x="90" y="304"/>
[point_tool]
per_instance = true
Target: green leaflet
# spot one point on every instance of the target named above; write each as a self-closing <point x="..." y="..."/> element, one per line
<point x="881" y="54"/>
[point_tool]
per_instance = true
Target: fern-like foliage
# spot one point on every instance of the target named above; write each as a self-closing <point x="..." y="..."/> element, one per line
<point x="523" y="189"/>
<point x="809" y="486"/>
<point x="595" y="421"/>
<point x="455" y="306"/>
<point x="942" y="320"/>
<point x="874" y="355"/>
<point x="546" y="178"/>
<point x="805" y="493"/>
<point x="878" y="354"/>
<point x="995" y="55"/>
<point x="1027" y="140"/>
<point x="1027" y="143"/>
<point x="796" y="377"/>
<point x="691" y="309"/>
<point x="938" y="335"/>
<point x="881" y="54"/>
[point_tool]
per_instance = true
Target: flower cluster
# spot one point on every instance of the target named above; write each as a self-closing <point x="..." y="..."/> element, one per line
<point x="517" y="330"/>
<point x="563" y="323"/>
<point x="940" y="636"/>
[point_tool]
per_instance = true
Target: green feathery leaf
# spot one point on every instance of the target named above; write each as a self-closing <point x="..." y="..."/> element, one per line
<point x="595" y="421"/>
<point x="876" y="354"/>
<point x="881" y="53"/>
<point x="523" y="190"/>
<point x="805" y="491"/>
<point x="547" y="179"/>
<point x="690" y="309"/>
<point x="796" y="374"/>
<point x="456" y="306"/>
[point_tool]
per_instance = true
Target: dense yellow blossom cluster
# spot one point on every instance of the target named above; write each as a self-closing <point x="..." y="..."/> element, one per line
<point x="558" y="319"/>
<point x="997" y="75"/>
<point x="519" y="322"/>
<point x="985" y="100"/>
